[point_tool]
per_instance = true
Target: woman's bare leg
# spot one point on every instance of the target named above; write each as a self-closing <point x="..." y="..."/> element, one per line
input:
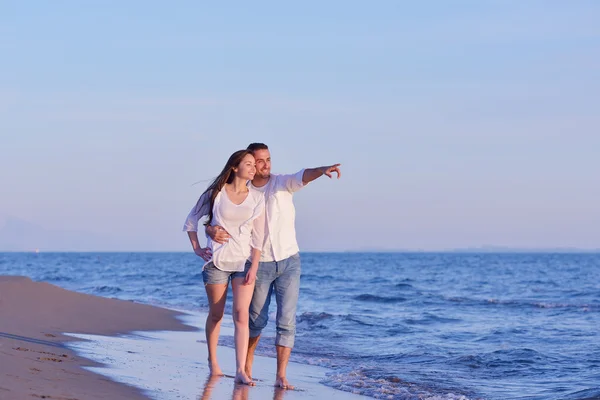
<point x="242" y="294"/>
<point x="217" y="295"/>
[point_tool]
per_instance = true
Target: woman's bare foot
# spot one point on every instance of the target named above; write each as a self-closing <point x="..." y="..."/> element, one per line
<point x="215" y="370"/>
<point x="282" y="382"/>
<point x="241" y="377"/>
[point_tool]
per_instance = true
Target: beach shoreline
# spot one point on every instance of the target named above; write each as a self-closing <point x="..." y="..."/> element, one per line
<point x="35" y="360"/>
<point x="65" y="345"/>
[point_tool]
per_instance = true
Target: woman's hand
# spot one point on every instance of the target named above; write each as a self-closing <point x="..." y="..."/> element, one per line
<point x="203" y="252"/>
<point x="251" y="276"/>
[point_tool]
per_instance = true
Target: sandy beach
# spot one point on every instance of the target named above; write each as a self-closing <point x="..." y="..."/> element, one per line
<point x="58" y="344"/>
<point x="35" y="363"/>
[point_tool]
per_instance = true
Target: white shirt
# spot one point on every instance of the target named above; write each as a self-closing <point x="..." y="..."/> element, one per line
<point x="280" y="230"/>
<point x="244" y="222"/>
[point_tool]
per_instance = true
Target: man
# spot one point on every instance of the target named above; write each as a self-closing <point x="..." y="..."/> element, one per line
<point x="279" y="267"/>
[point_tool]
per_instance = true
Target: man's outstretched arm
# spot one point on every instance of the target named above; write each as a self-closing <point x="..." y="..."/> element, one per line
<point x="310" y="174"/>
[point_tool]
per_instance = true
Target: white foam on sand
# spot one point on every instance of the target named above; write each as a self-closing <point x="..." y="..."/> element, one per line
<point x="169" y="365"/>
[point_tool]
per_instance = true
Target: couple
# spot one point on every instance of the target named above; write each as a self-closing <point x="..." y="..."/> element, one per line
<point x="252" y="243"/>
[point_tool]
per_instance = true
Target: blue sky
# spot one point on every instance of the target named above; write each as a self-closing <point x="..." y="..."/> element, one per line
<point x="458" y="124"/>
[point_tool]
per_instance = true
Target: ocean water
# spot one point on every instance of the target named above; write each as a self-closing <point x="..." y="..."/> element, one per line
<point x="397" y="326"/>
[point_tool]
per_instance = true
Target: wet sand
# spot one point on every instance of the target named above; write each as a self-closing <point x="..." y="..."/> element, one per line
<point x="63" y="345"/>
<point x="172" y="365"/>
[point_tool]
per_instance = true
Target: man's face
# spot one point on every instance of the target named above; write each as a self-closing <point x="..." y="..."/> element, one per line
<point x="263" y="163"/>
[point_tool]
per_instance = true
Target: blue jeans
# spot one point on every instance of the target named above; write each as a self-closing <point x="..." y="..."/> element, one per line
<point x="283" y="277"/>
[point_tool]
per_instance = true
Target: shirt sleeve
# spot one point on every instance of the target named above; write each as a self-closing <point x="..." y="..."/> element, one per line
<point x="258" y="226"/>
<point x="200" y="209"/>
<point x="292" y="182"/>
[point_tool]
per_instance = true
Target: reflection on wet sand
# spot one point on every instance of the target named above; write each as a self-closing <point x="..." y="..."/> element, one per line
<point x="240" y="392"/>
<point x="209" y="385"/>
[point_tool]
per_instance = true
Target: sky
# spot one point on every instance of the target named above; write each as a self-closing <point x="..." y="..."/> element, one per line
<point x="458" y="124"/>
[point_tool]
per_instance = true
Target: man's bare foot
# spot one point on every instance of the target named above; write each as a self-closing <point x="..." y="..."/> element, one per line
<point x="282" y="382"/>
<point x="215" y="370"/>
<point x="241" y="377"/>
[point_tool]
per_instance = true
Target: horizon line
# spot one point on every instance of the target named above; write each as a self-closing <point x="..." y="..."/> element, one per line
<point x="361" y="251"/>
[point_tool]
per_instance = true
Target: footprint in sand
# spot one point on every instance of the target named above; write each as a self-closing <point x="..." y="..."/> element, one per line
<point x="45" y="352"/>
<point x="50" y="359"/>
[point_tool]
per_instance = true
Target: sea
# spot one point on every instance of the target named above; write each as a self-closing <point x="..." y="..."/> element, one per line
<point x="396" y="325"/>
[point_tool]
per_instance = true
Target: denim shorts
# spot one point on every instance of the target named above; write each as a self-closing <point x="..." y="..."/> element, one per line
<point x="211" y="275"/>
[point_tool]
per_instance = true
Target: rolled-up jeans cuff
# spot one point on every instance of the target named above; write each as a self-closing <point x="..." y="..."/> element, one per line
<point x="284" y="340"/>
<point x="254" y="333"/>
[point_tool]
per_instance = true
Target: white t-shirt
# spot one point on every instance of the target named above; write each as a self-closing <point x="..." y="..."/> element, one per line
<point x="244" y="222"/>
<point x="280" y="230"/>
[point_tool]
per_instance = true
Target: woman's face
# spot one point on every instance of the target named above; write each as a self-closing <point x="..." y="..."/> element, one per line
<point x="247" y="168"/>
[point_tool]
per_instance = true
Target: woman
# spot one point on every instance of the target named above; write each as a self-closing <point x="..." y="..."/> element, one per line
<point x="229" y="203"/>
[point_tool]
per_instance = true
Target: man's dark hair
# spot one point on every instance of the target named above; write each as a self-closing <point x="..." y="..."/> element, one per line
<point x="257" y="146"/>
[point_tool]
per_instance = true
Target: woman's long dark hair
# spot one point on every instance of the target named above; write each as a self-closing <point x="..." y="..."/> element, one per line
<point x="226" y="176"/>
